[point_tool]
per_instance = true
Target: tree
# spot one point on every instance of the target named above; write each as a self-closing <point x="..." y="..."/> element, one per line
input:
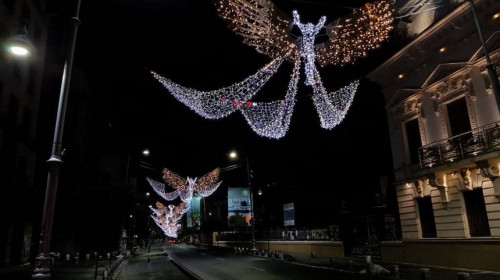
<point x="237" y="221"/>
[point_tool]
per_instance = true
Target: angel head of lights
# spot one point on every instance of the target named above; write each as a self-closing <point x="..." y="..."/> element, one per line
<point x="266" y="28"/>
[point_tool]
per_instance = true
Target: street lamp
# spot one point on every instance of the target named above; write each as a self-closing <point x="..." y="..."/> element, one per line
<point x="20" y="45"/>
<point x="145" y="152"/>
<point x="234" y="155"/>
<point x="43" y="260"/>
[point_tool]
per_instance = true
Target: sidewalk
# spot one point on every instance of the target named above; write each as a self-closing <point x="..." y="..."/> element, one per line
<point x="64" y="270"/>
<point x="406" y="271"/>
<point x="134" y="266"/>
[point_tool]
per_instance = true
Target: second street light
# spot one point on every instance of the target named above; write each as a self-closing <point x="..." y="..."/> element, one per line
<point x="234" y="155"/>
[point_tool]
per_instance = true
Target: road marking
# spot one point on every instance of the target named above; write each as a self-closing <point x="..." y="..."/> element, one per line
<point x="203" y="254"/>
<point x="256" y="268"/>
<point x="220" y="258"/>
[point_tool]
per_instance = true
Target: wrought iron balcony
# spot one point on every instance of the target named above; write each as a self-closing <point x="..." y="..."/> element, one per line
<point x="469" y="144"/>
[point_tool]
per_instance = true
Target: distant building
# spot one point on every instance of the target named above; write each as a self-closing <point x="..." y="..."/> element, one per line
<point x="444" y="122"/>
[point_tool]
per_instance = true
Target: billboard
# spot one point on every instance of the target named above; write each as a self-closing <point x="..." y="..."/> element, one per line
<point x="193" y="214"/>
<point x="239" y="202"/>
<point x="288" y="214"/>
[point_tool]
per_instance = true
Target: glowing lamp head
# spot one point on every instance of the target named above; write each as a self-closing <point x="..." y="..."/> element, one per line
<point x="19" y="46"/>
<point x="233" y="155"/>
<point x="19" y="51"/>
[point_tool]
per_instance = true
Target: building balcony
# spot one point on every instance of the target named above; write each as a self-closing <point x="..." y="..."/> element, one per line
<point x="480" y="141"/>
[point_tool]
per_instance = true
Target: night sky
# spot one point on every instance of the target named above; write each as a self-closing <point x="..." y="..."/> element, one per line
<point x="120" y="41"/>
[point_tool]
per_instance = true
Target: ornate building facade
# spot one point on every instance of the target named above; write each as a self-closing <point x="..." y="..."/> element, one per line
<point x="444" y="124"/>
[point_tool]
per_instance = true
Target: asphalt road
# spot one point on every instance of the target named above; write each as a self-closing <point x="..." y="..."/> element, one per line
<point x="213" y="264"/>
<point x="159" y="267"/>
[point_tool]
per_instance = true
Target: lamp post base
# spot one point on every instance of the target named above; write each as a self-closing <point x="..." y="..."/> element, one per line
<point x="42" y="269"/>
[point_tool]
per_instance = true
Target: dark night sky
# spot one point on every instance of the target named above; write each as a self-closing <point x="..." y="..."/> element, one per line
<point x="120" y="41"/>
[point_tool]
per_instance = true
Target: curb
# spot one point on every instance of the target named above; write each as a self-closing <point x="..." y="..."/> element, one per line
<point x="173" y="258"/>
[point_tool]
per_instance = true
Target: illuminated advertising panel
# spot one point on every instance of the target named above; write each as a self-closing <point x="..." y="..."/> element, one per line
<point x="193" y="214"/>
<point x="288" y="214"/>
<point x="239" y="203"/>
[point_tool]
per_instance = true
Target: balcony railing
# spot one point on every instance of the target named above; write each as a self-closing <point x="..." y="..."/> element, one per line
<point x="472" y="143"/>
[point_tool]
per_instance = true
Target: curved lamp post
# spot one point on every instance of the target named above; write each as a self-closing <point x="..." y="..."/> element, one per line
<point x="43" y="260"/>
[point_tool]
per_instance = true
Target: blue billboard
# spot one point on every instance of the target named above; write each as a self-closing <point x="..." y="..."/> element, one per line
<point x="239" y="203"/>
<point x="288" y="214"/>
<point x="193" y="214"/>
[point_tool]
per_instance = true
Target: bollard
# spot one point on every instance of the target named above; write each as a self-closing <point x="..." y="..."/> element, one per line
<point x="350" y="264"/>
<point x="67" y="257"/>
<point x="463" y="276"/>
<point x="395" y="271"/>
<point x="332" y="262"/>
<point x="424" y="274"/>
<point x="369" y="264"/>
<point x="96" y="267"/>
<point x="87" y="257"/>
<point x="105" y="274"/>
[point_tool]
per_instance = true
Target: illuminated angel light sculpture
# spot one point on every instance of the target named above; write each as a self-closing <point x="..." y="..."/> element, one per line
<point x="184" y="188"/>
<point x="267" y="29"/>
<point x="167" y="219"/>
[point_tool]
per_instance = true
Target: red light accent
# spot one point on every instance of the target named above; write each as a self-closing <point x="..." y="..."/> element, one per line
<point x="249" y="103"/>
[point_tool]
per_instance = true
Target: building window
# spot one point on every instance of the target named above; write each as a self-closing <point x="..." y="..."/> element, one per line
<point x="476" y="213"/>
<point x="413" y="140"/>
<point x="427" y="222"/>
<point x="458" y="117"/>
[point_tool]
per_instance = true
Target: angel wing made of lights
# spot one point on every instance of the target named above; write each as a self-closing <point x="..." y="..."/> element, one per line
<point x="263" y="26"/>
<point x="184" y="188"/>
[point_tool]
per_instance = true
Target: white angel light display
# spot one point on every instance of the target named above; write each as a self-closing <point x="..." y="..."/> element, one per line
<point x="167" y="219"/>
<point x="265" y="27"/>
